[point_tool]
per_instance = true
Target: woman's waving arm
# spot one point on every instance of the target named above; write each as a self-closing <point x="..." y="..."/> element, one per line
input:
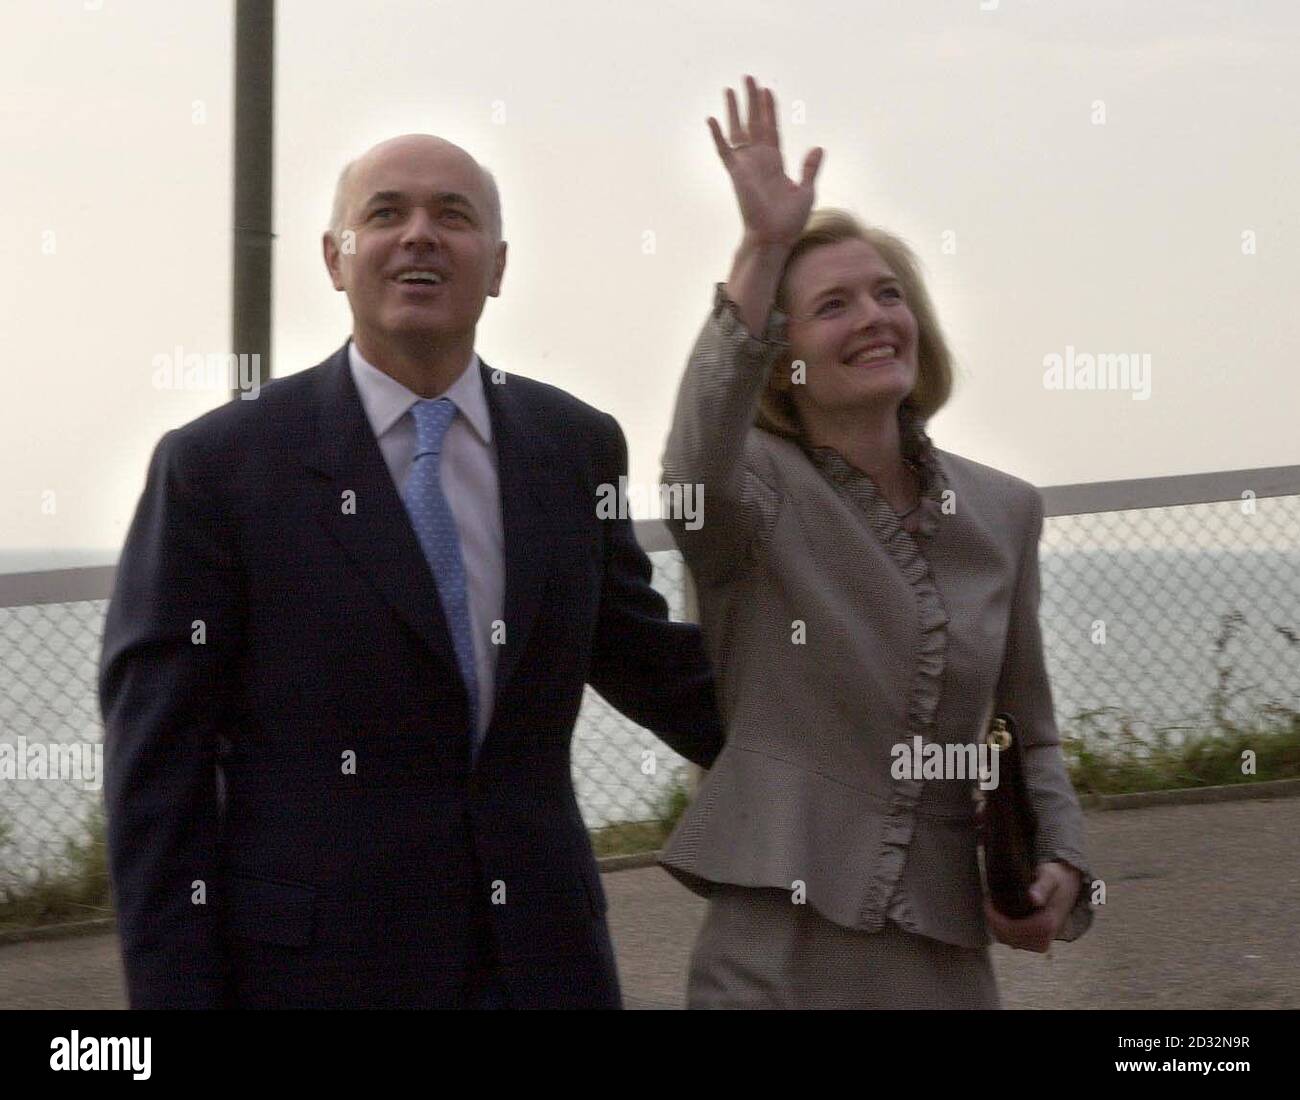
<point x="740" y="342"/>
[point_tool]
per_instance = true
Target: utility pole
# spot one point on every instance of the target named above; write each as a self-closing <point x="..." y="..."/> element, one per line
<point x="254" y="135"/>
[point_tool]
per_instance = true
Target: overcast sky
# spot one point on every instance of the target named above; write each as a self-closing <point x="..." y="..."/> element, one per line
<point x="1107" y="177"/>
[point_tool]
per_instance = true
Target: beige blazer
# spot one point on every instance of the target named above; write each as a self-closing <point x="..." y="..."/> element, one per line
<point x="836" y="636"/>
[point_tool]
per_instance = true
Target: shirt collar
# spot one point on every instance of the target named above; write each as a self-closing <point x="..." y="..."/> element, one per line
<point x="386" y="400"/>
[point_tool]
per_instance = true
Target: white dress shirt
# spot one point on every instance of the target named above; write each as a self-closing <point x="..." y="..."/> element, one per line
<point x="468" y="471"/>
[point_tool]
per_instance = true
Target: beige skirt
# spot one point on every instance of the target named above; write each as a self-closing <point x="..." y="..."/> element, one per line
<point x="757" y="949"/>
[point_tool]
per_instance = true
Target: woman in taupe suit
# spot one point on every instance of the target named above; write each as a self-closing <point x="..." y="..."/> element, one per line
<point x="858" y="588"/>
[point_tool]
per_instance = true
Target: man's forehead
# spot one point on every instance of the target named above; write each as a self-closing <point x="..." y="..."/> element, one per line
<point x="417" y="169"/>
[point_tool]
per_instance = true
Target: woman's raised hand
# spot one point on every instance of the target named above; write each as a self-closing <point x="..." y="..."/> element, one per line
<point x="774" y="207"/>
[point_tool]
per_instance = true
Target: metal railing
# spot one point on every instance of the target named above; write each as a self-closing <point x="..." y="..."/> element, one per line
<point x="1170" y="601"/>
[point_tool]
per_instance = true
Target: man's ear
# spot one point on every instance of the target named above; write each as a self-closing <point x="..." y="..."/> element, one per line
<point x="498" y="271"/>
<point x="331" y="250"/>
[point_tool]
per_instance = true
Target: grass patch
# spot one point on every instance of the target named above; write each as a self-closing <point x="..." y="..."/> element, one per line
<point x="634" y="837"/>
<point x="1108" y="752"/>
<point x="78" y="892"/>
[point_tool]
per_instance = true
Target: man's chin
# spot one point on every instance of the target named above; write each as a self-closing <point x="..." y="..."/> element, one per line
<point x="412" y="326"/>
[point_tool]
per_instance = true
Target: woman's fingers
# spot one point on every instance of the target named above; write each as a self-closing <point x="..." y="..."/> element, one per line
<point x="762" y="115"/>
<point x="719" y="142"/>
<point x="769" y="118"/>
<point x="754" y="104"/>
<point x="811" y="164"/>
<point x="1032" y="933"/>
<point x="1044" y="887"/>
<point x="760" y="127"/>
<point x="733" y="119"/>
<point x="1051" y="891"/>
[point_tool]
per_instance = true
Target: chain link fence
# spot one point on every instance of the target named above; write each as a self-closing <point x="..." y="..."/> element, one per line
<point x="51" y="737"/>
<point x="49" y="654"/>
<point x="1160" y="617"/>
<point x="1176" y="621"/>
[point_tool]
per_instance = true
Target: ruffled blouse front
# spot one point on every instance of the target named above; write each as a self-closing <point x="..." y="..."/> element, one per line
<point x="923" y="700"/>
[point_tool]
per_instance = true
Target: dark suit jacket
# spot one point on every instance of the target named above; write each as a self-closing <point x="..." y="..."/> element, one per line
<point x="292" y="814"/>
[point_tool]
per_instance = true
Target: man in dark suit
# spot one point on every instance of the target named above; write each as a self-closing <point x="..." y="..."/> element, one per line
<point x="352" y="623"/>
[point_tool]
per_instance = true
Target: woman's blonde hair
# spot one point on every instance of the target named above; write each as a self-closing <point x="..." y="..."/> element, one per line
<point x="776" y="410"/>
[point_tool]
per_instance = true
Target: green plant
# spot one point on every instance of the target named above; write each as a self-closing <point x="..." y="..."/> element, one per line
<point x="1110" y="752"/>
<point x="635" y="837"/>
<point x="78" y="890"/>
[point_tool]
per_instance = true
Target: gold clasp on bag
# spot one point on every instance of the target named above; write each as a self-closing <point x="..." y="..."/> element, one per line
<point x="998" y="737"/>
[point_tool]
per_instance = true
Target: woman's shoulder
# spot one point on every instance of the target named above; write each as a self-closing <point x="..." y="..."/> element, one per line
<point x="773" y="456"/>
<point x="988" y="481"/>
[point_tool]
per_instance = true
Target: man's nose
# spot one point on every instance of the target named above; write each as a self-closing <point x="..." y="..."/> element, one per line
<point x="420" y="229"/>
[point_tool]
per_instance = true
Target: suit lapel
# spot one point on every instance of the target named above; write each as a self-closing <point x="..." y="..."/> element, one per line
<point x="526" y="471"/>
<point x="377" y="534"/>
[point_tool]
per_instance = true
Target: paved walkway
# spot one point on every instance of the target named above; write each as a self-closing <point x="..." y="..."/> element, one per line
<point x="1203" y="911"/>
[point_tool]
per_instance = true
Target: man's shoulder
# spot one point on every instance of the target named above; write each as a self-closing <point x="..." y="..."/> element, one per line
<point x="250" y="430"/>
<point x="544" y="399"/>
<point x="273" y="406"/>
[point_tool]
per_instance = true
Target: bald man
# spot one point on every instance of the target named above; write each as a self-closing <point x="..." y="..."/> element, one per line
<point x="348" y="642"/>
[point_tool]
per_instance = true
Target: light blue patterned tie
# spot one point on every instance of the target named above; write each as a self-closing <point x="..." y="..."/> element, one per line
<point x="435" y="526"/>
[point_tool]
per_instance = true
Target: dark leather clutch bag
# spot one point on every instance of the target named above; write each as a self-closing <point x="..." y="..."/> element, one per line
<point x="1009" y="825"/>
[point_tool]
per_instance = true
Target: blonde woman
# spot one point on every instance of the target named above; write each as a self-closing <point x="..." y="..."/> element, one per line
<point x="858" y="588"/>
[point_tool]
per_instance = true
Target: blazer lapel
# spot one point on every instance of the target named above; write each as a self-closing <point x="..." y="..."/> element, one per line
<point x="372" y="525"/>
<point x="526" y="472"/>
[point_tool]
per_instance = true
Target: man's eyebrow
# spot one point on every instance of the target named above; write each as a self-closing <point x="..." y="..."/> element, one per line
<point x="838" y="289"/>
<point x="443" y="198"/>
